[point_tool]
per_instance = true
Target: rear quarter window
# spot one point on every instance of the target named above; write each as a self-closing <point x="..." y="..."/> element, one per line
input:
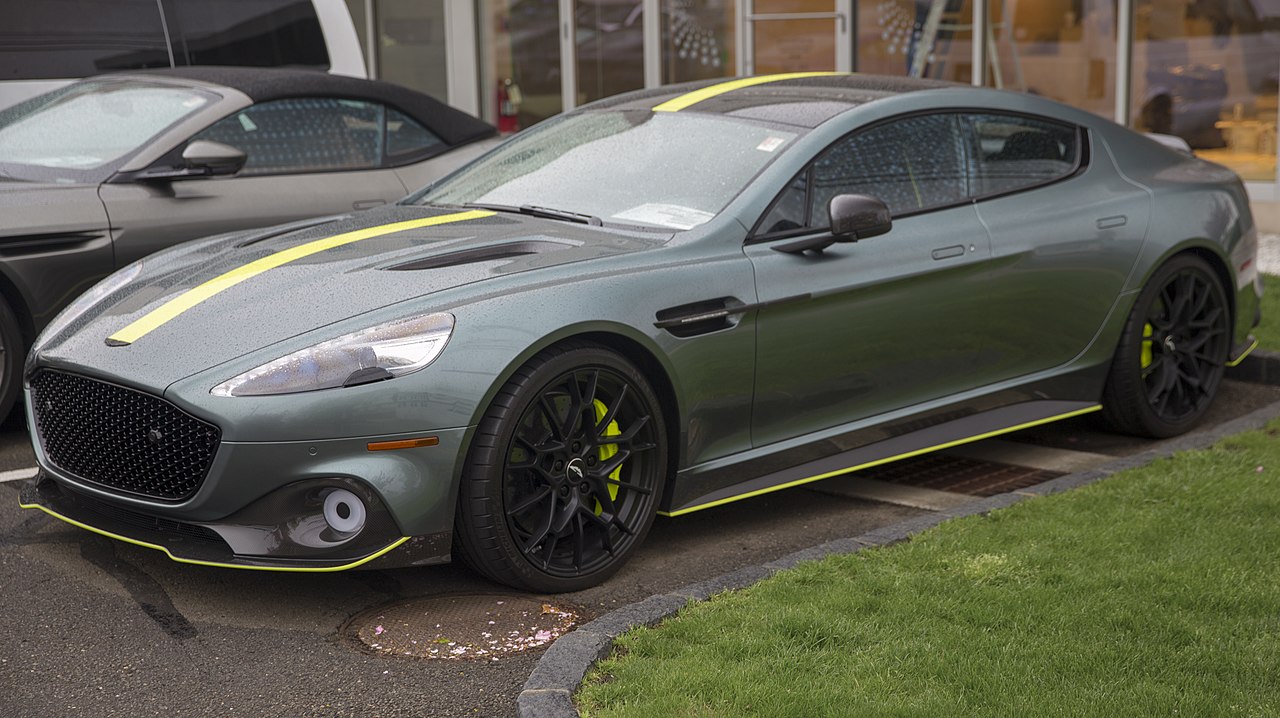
<point x="1011" y="152"/>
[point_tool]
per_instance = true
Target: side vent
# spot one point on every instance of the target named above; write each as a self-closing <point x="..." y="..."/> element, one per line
<point x="710" y="315"/>
<point x="507" y="250"/>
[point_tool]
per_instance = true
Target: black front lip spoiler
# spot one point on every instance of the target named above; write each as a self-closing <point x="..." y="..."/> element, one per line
<point x="182" y="542"/>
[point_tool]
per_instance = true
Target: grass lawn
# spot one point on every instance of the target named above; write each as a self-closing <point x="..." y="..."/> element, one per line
<point x="1155" y="592"/>
<point x="1268" y="333"/>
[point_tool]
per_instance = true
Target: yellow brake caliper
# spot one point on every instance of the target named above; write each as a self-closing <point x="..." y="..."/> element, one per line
<point x="608" y="450"/>
<point x="1147" y="331"/>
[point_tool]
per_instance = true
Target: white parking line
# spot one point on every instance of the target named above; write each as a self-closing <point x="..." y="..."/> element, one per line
<point x="17" y="474"/>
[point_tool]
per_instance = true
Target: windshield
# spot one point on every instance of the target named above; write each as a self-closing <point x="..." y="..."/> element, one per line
<point x="657" y="169"/>
<point x="89" y="125"/>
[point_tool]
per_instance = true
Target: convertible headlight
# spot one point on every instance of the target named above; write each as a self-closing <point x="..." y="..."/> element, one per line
<point x="382" y="352"/>
<point x="98" y="292"/>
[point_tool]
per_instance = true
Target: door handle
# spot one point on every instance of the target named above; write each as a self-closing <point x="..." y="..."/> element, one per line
<point x="954" y="250"/>
<point x="1119" y="220"/>
<point x="367" y="203"/>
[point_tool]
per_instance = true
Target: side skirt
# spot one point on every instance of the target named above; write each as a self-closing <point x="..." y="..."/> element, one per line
<point x="955" y="432"/>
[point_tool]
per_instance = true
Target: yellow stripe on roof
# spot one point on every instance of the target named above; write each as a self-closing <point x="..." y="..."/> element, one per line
<point x="181" y="303"/>
<point x="706" y="93"/>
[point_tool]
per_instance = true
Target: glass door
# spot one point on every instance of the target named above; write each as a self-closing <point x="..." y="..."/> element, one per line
<point x="797" y="36"/>
<point x="608" y="48"/>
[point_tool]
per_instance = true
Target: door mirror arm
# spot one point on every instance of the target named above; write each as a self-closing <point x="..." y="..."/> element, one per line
<point x="853" y="217"/>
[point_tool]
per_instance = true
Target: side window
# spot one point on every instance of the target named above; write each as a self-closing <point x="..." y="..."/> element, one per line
<point x="407" y="138"/>
<point x="911" y="164"/>
<point x="304" y="135"/>
<point x="1013" y="153"/>
<point x="788" y="211"/>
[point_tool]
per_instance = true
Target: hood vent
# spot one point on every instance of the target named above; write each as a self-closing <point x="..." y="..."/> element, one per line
<point x="475" y="255"/>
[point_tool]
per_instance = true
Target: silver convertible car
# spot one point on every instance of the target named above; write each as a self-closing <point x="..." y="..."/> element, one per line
<point x="104" y="171"/>
<point x="657" y="304"/>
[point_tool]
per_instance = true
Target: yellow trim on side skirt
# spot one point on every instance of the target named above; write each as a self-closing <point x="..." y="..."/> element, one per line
<point x="1245" y="353"/>
<point x="706" y="93"/>
<point x="190" y="298"/>
<point x="179" y="559"/>
<point x="878" y="462"/>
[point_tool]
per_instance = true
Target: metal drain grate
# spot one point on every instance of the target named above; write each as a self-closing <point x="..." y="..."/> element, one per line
<point x="958" y="475"/>
<point x="462" y="627"/>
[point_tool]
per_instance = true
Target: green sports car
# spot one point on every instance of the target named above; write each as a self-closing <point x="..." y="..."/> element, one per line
<point x="659" y="303"/>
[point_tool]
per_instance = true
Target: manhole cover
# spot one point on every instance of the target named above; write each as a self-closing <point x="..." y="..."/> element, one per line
<point x="462" y="627"/>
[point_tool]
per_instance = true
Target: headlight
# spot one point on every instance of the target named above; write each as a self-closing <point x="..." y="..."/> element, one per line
<point x="382" y="352"/>
<point x="98" y="292"/>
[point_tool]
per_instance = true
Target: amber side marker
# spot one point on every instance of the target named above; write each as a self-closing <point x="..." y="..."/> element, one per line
<point x="404" y="444"/>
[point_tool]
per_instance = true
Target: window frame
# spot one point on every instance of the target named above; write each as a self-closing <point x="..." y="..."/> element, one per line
<point x="1083" y="157"/>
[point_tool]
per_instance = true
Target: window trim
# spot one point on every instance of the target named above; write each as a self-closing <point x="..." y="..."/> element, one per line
<point x="1083" y="158"/>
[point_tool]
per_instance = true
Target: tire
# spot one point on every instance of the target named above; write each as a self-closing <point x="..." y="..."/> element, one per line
<point x="563" y="476"/>
<point x="13" y="352"/>
<point x="1172" y="352"/>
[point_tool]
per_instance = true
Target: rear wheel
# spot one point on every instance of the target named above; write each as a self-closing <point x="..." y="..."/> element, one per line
<point x="564" y="473"/>
<point x="12" y="354"/>
<point x="1170" y="359"/>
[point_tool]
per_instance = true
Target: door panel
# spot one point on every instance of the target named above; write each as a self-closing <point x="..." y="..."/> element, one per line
<point x="887" y="325"/>
<point x="147" y="217"/>
<point x="1060" y="257"/>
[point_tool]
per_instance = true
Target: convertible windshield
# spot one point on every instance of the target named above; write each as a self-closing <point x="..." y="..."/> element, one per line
<point x="91" y="124"/>
<point x="658" y="169"/>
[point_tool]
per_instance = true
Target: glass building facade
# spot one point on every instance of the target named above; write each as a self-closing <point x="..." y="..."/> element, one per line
<point x="1204" y="70"/>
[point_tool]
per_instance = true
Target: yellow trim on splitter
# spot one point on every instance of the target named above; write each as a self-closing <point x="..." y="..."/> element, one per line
<point x="179" y="559"/>
<point x="190" y="298"/>
<point x="878" y="462"/>
<point x="706" y="93"/>
<point x="1245" y="353"/>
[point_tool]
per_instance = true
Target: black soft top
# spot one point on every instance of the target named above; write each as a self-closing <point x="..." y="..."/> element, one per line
<point x="262" y="84"/>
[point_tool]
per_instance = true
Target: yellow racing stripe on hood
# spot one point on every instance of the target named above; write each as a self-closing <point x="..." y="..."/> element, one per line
<point x="190" y="298"/>
<point x="706" y="93"/>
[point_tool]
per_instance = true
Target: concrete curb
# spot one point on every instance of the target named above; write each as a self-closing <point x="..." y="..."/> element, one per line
<point x="549" y="691"/>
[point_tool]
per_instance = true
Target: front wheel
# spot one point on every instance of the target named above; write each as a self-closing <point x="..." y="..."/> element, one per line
<point x="1171" y="355"/>
<point x="564" y="474"/>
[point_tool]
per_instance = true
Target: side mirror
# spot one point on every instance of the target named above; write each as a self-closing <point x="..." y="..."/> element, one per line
<point x="212" y="159"/>
<point x="201" y="158"/>
<point x="857" y="216"/>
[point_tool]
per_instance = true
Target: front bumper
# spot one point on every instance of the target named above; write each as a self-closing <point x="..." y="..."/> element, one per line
<point x="275" y="547"/>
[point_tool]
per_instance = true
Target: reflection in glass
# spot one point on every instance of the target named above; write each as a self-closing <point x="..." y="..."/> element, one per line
<point x="916" y="38"/>
<point x="1206" y="71"/>
<point x="697" y="40"/>
<point x="794" y="45"/>
<point x="411" y="39"/>
<point x="610" y="47"/>
<point x="520" y="61"/>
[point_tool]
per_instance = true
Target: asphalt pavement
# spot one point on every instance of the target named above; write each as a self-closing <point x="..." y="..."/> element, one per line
<point x="97" y="627"/>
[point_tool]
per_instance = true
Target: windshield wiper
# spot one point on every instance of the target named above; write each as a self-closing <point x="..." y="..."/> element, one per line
<point x="533" y="210"/>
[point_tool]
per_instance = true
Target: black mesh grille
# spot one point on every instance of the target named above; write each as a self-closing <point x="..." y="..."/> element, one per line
<point x="121" y="438"/>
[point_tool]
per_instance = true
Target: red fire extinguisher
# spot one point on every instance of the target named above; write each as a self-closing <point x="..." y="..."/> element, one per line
<point x="508" y="106"/>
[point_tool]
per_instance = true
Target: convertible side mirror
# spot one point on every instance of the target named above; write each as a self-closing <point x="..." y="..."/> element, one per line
<point x="212" y="159"/>
<point x="858" y="216"/>
<point x="201" y="158"/>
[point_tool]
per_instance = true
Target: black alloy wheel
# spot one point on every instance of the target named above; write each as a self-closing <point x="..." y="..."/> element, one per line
<point x="1172" y="354"/>
<point x="565" y="472"/>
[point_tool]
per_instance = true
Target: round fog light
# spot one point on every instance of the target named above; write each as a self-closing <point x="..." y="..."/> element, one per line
<point x="344" y="511"/>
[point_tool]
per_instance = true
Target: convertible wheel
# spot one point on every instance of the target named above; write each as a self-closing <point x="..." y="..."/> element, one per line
<point x="564" y="473"/>
<point x="12" y="354"/>
<point x="1170" y="360"/>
